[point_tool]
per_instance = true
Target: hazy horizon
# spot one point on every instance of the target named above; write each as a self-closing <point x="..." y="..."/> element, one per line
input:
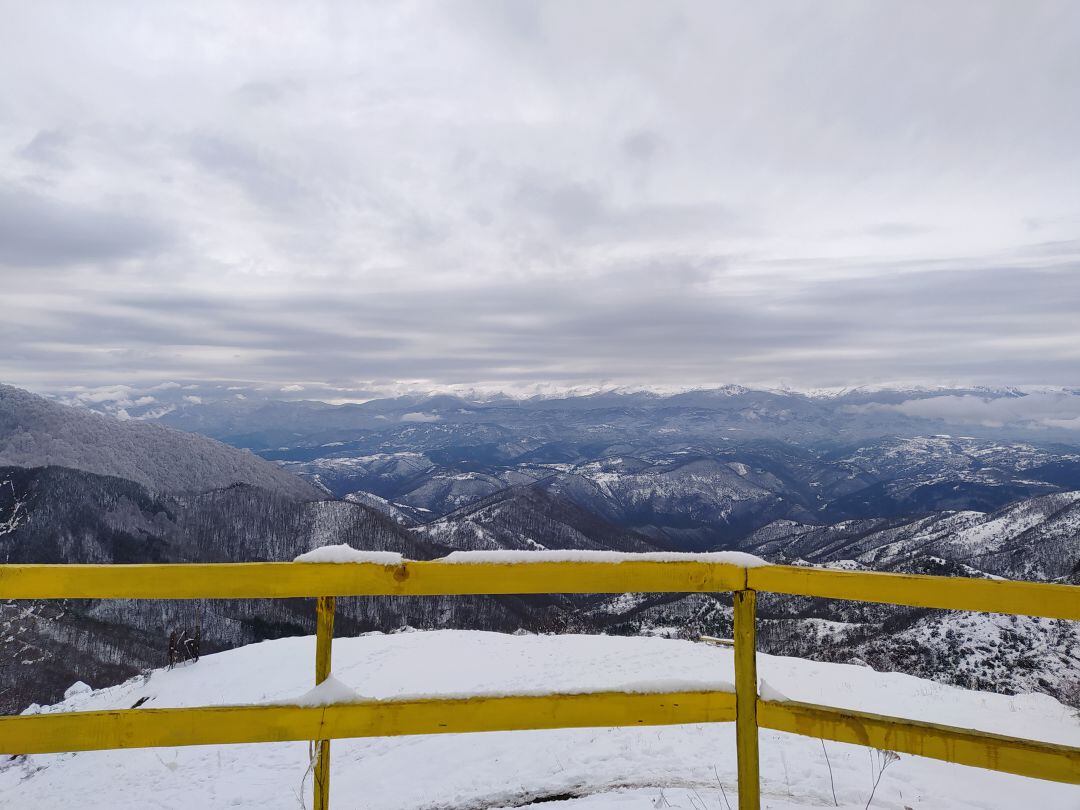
<point x="1042" y="408"/>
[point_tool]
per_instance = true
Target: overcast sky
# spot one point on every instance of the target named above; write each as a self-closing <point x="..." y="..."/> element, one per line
<point x="815" y="194"/>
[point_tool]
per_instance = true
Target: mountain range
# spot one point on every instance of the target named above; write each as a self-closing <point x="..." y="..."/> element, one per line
<point x="789" y="477"/>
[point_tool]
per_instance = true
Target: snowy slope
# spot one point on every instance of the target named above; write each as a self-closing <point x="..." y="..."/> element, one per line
<point x="36" y="432"/>
<point x="1035" y="539"/>
<point x="591" y="769"/>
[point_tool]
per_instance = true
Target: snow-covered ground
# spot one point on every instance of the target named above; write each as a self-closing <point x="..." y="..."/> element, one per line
<point x="683" y="767"/>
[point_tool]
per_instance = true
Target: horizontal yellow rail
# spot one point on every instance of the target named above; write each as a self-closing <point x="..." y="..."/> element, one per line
<point x="145" y="728"/>
<point x="281" y="580"/>
<point x="917" y="590"/>
<point x="216" y="725"/>
<point x="1040" y="760"/>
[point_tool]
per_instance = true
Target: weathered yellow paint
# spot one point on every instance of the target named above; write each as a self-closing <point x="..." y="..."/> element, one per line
<point x="283" y="580"/>
<point x="1040" y="760"/>
<point x="144" y="728"/>
<point x="746" y="726"/>
<point x="324" y="637"/>
<point x="324" y="640"/>
<point x="954" y="593"/>
<point x="141" y="728"/>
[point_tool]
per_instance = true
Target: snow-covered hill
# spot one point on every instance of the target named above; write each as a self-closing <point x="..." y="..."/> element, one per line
<point x="529" y="519"/>
<point x="1036" y="539"/>
<point x="581" y="769"/>
<point x="35" y="432"/>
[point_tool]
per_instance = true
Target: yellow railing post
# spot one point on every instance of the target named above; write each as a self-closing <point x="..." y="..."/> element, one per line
<point x="324" y="639"/>
<point x="746" y="726"/>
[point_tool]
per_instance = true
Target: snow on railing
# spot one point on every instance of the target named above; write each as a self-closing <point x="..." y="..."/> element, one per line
<point x="344" y="553"/>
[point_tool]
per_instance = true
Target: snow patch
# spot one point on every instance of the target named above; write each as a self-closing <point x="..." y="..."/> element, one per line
<point x="344" y="553"/>
<point x="768" y="692"/>
<point x="329" y="692"/>
<point x="77" y="688"/>
<point x="505" y="557"/>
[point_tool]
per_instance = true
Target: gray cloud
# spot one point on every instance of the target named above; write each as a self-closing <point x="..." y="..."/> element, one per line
<point x="243" y="165"/>
<point x="642" y="145"/>
<point x="41" y="231"/>
<point x="897" y="230"/>
<point x="675" y="193"/>
<point x="49" y="146"/>
<point x="578" y="212"/>
<point x="1052" y="409"/>
<point x="420" y="417"/>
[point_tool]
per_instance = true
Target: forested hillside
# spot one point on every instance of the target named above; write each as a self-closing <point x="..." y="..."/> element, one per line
<point x="35" y="432"/>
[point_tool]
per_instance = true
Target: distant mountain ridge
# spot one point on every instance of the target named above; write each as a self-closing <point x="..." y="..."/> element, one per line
<point x="36" y="432"/>
<point x="262" y="419"/>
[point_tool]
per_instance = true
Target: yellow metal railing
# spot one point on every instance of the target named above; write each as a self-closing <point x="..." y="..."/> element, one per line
<point x="140" y="728"/>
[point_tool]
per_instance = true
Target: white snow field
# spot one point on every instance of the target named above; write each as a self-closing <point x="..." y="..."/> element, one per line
<point x="683" y="767"/>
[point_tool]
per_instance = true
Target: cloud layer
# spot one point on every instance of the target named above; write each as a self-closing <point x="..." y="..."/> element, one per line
<point x="1054" y="409"/>
<point x="477" y="192"/>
